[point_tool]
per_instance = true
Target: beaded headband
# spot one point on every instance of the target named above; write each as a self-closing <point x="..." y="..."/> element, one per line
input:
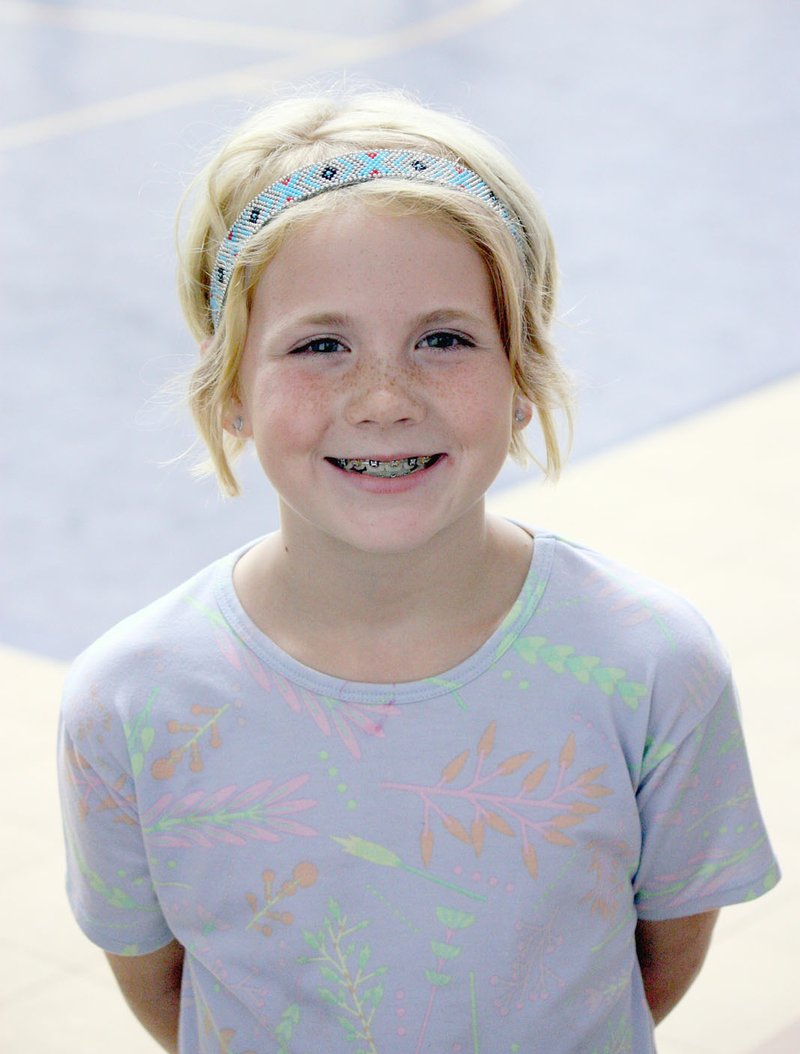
<point x="345" y="171"/>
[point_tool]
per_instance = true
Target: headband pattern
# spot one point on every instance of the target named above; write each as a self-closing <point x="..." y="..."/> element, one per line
<point x="362" y="166"/>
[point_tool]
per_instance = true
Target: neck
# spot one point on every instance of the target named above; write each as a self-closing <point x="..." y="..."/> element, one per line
<point x="384" y="617"/>
<point x="363" y="589"/>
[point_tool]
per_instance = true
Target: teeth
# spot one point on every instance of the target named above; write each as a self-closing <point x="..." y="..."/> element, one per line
<point x="387" y="469"/>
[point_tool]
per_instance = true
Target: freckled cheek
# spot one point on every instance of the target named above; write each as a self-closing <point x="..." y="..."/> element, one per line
<point x="480" y="400"/>
<point x="290" y="410"/>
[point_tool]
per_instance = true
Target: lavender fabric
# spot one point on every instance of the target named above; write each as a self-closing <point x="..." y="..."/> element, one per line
<point x="455" y="864"/>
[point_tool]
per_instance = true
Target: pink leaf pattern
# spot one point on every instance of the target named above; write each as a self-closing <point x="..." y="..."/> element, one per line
<point x="334" y="716"/>
<point x="701" y="877"/>
<point x="93" y="794"/>
<point x="331" y="716"/>
<point x="229" y="816"/>
<point x="631" y="605"/>
<point x="485" y="801"/>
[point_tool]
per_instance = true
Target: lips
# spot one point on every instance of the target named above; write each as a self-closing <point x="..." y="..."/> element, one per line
<point x="388" y="469"/>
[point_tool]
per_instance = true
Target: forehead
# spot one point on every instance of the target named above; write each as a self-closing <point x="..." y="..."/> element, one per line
<point x="374" y="259"/>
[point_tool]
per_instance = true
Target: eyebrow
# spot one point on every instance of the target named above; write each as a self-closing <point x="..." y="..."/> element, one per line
<point x="447" y="316"/>
<point x="440" y="317"/>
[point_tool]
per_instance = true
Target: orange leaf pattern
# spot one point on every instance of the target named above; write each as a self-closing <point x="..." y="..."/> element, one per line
<point x="506" y="812"/>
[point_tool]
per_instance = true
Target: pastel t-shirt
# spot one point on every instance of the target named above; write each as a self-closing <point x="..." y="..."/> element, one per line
<point x="452" y="865"/>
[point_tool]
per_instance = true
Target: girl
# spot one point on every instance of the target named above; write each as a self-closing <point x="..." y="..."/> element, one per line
<point x="401" y="776"/>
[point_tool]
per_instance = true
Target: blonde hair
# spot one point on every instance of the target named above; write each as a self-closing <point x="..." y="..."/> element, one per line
<point x="297" y="132"/>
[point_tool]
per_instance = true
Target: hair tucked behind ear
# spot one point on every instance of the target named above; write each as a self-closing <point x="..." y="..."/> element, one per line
<point x="297" y="132"/>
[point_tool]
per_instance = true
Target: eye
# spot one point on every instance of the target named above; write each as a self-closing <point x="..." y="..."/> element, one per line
<point x="444" y="340"/>
<point x="320" y="346"/>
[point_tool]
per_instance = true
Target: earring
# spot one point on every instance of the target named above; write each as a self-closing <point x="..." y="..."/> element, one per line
<point x="519" y="415"/>
<point x="238" y="423"/>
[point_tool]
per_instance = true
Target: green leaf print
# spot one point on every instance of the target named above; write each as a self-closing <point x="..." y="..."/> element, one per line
<point x="581" y="666"/>
<point x="445" y="951"/>
<point x="329" y="974"/>
<point x="528" y="648"/>
<point x="454" y="920"/>
<point x="556" y="655"/>
<point x="374" y="995"/>
<point x="329" y="997"/>
<point x="140" y="734"/>
<point x="655" y="753"/>
<point x="586" y="669"/>
<point x="342" y="964"/>
<point x="620" y="1039"/>
<point x="438" y="979"/>
<point x="115" y="896"/>
<point x="290" y="1018"/>
<point x="632" y="692"/>
<point x="606" y="678"/>
<point x="378" y="854"/>
<point x="120" y="899"/>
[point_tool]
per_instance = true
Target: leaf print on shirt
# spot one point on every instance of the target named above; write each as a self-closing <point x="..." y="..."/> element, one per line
<point x="353" y="986"/>
<point x="611" y="883"/>
<point x="446" y="952"/>
<point x="336" y="716"/>
<point x="113" y="895"/>
<point x="586" y="669"/>
<point x="491" y="804"/>
<point x="165" y="768"/>
<point x="379" y="854"/>
<point x="226" y="1037"/>
<point x="531" y="977"/>
<point x="304" y="876"/>
<point x="94" y="793"/>
<point x="631" y="605"/>
<point x="703" y="875"/>
<point x="608" y="992"/>
<point x="332" y="716"/>
<point x="620" y="1038"/>
<point x="230" y="816"/>
<point x="140" y="734"/>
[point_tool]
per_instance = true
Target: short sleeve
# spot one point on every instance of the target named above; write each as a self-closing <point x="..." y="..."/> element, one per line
<point x="109" y="885"/>
<point x="704" y="843"/>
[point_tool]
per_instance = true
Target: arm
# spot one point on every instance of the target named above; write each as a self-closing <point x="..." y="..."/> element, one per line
<point x="670" y="953"/>
<point x="151" y="985"/>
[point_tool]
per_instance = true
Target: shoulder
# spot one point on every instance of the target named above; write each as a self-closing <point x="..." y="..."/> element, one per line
<point x="630" y="620"/>
<point x="119" y="665"/>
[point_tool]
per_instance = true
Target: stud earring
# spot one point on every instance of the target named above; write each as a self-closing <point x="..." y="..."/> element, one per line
<point x="519" y="415"/>
<point x="238" y="423"/>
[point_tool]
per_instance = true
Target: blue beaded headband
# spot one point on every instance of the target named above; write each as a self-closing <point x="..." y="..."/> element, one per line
<point x="346" y="171"/>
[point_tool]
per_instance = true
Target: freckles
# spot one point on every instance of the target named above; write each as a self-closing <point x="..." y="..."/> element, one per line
<point x="300" y="394"/>
<point x="477" y="395"/>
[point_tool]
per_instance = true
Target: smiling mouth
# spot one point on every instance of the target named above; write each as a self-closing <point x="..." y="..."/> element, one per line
<point x="402" y="466"/>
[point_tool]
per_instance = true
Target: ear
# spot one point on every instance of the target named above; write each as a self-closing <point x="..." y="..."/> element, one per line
<point x="235" y="421"/>
<point x="523" y="412"/>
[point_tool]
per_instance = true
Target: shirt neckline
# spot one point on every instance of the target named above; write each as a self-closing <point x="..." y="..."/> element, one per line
<point x="449" y="682"/>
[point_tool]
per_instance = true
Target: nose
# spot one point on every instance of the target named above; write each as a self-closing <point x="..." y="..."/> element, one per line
<point x="384" y="392"/>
